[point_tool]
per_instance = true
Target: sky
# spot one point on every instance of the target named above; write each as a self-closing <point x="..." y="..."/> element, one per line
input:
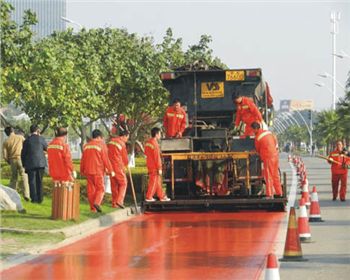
<point x="289" y="40"/>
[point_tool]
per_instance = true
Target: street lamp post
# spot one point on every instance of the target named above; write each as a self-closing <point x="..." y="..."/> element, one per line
<point x="327" y="75"/>
<point x="290" y="117"/>
<point x="308" y="127"/>
<point x="319" y="84"/>
<point x="342" y="54"/>
<point x="72" y="22"/>
<point x="335" y="17"/>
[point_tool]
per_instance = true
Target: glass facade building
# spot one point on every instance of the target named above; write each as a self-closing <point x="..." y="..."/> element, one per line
<point x="48" y="12"/>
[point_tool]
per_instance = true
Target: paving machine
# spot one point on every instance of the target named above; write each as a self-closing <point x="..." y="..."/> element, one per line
<point x="212" y="165"/>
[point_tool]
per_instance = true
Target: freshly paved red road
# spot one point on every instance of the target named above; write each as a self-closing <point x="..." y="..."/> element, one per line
<point x="164" y="246"/>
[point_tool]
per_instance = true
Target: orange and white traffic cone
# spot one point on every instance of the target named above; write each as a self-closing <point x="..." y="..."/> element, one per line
<point x="303" y="223"/>
<point x="271" y="272"/>
<point x="305" y="194"/>
<point x="292" y="248"/>
<point x="315" y="211"/>
<point x="304" y="182"/>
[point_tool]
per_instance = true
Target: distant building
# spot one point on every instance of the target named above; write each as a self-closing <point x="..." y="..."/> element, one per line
<point x="48" y="12"/>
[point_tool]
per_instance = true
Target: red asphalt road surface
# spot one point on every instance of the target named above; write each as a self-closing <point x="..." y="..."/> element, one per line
<point x="212" y="245"/>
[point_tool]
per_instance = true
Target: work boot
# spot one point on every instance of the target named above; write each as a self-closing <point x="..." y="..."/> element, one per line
<point x="98" y="208"/>
<point x="120" y="205"/>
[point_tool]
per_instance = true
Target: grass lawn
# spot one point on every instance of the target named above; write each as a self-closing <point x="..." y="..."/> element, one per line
<point x="38" y="216"/>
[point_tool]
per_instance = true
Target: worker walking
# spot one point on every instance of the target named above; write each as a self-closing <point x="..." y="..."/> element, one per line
<point x="118" y="157"/>
<point x="340" y="162"/>
<point x="154" y="166"/>
<point x="94" y="163"/>
<point x="59" y="157"/>
<point x="11" y="152"/>
<point x="267" y="147"/>
<point x="246" y="112"/>
<point x="174" y="120"/>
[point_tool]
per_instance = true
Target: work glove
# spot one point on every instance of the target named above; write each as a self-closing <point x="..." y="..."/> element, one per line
<point x="160" y="172"/>
<point x="112" y="174"/>
<point x="74" y="174"/>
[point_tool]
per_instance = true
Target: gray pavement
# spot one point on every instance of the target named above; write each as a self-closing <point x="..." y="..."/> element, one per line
<point x="329" y="253"/>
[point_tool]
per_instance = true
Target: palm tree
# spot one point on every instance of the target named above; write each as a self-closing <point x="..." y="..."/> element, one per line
<point x="343" y="109"/>
<point x="328" y="128"/>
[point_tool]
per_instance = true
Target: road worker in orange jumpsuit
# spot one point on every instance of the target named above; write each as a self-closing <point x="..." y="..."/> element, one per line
<point x="267" y="147"/>
<point x="154" y="166"/>
<point x="340" y="161"/>
<point x="118" y="157"/>
<point x="246" y="112"/>
<point x="94" y="163"/>
<point x="59" y="158"/>
<point x="174" y="120"/>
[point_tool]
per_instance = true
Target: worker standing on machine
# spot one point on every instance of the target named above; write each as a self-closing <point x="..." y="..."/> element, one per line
<point x="246" y="112"/>
<point x="267" y="147"/>
<point x="174" y="120"/>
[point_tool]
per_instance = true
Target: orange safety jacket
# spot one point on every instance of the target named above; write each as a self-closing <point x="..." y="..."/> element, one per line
<point x="95" y="158"/>
<point x="152" y="153"/>
<point x="174" y="121"/>
<point x="266" y="144"/>
<point x="117" y="154"/>
<point x="338" y="169"/>
<point x="247" y="112"/>
<point x="60" y="160"/>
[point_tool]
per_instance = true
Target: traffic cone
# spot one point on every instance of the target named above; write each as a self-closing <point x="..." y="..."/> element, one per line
<point x="292" y="248"/>
<point x="303" y="223"/>
<point x="271" y="272"/>
<point x="305" y="194"/>
<point x="315" y="212"/>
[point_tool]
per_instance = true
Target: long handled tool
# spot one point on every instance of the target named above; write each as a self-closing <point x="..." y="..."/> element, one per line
<point x="133" y="190"/>
<point x="331" y="160"/>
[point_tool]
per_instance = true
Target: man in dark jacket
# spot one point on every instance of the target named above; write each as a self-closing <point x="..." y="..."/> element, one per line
<point x="34" y="162"/>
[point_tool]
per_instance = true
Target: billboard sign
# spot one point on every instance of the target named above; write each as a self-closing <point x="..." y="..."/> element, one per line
<point x="296" y="105"/>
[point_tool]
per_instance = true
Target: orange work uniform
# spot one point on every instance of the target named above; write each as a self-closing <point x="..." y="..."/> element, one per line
<point x="266" y="146"/>
<point x="248" y="113"/>
<point x="174" y="122"/>
<point x="118" y="157"/>
<point x="154" y="165"/>
<point x="339" y="173"/>
<point x="94" y="163"/>
<point x="60" y="160"/>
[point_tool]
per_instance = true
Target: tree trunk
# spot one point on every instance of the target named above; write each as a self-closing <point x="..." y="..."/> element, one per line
<point x="82" y="136"/>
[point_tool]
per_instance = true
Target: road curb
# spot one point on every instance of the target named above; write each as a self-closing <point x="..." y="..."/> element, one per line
<point x="71" y="233"/>
<point x="102" y="221"/>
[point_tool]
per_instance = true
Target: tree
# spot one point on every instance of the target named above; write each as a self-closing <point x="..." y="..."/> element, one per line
<point x="16" y="47"/>
<point x="328" y="128"/>
<point x="203" y="52"/>
<point x="141" y="96"/>
<point x="171" y="51"/>
<point x="343" y="109"/>
<point x="297" y="134"/>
